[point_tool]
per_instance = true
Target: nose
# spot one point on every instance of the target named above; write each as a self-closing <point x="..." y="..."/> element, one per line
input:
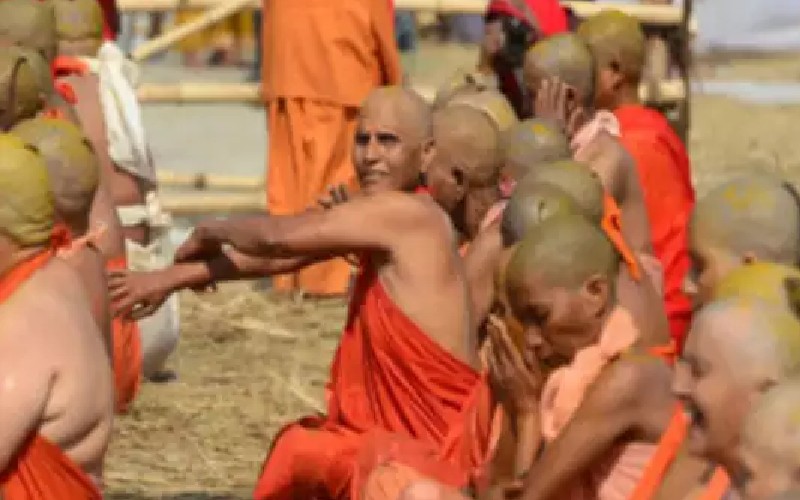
<point x="680" y="380"/>
<point x="372" y="151"/>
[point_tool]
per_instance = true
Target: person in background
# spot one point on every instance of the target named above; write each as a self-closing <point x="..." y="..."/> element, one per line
<point x="511" y="27"/>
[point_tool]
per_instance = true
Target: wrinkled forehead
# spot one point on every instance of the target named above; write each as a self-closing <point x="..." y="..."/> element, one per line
<point x="718" y="332"/>
<point x="387" y="117"/>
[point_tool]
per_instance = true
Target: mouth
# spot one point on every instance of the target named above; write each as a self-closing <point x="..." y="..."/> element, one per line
<point x="695" y="416"/>
<point x="372" y="177"/>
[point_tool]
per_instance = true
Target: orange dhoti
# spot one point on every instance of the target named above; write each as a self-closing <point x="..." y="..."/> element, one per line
<point x="310" y="146"/>
<point x="394" y="396"/>
<point x="40" y="470"/>
<point x="127" y="349"/>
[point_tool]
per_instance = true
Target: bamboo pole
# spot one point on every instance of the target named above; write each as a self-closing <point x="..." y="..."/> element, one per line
<point x="668" y="91"/>
<point x="202" y="181"/>
<point x="165" y="41"/>
<point x="188" y="204"/>
<point x="661" y="15"/>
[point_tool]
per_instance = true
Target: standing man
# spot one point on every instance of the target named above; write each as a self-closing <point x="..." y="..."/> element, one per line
<point x="320" y="60"/>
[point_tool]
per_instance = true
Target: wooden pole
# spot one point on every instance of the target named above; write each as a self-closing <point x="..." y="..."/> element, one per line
<point x="661" y="15"/>
<point x="201" y="181"/>
<point x="180" y="204"/>
<point x="163" y="42"/>
<point x="668" y="91"/>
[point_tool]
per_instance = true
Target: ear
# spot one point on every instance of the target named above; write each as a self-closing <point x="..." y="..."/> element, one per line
<point x="427" y="153"/>
<point x="749" y="258"/>
<point x="596" y="293"/>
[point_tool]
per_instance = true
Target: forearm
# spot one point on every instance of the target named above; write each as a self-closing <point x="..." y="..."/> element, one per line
<point x="103" y="214"/>
<point x="529" y="441"/>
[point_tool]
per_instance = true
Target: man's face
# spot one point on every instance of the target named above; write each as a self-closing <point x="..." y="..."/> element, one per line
<point x="387" y="157"/>
<point x="715" y="392"/>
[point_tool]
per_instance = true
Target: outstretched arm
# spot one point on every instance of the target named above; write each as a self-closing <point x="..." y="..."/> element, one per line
<point x="378" y="222"/>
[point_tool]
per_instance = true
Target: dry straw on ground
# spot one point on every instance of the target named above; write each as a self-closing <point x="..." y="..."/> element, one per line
<point x="249" y="362"/>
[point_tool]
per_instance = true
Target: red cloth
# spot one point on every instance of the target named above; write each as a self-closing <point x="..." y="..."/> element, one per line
<point x="127" y="352"/>
<point x="550" y="15"/>
<point x="110" y="19"/>
<point x="40" y="470"/>
<point x="664" y="173"/>
<point x="389" y="376"/>
<point x="65" y="66"/>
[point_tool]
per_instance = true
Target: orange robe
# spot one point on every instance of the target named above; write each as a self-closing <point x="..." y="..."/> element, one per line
<point x="127" y="352"/>
<point x="664" y="173"/>
<point x="321" y="59"/>
<point x="40" y="470"/>
<point x="394" y="394"/>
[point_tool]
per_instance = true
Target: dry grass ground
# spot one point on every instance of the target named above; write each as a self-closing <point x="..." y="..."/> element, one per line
<point x="248" y="361"/>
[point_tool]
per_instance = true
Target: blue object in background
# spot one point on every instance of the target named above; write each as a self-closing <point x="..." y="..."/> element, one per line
<point x="405" y="25"/>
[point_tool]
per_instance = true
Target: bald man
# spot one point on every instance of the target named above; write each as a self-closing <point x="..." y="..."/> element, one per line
<point x="736" y="349"/>
<point x="560" y="74"/>
<point x="57" y="403"/>
<point x="21" y="96"/>
<point x="74" y="175"/>
<point x="607" y="412"/>
<point x="662" y="163"/>
<point x="490" y="102"/>
<point x="410" y="305"/>
<point x="770" y="444"/>
<point x="464" y="173"/>
<point x="745" y="220"/>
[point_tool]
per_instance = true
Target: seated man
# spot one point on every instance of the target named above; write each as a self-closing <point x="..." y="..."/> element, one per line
<point x="770" y="440"/>
<point x="408" y="315"/>
<point x="662" y="163"/>
<point x="736" y="349"/>
<point x="74" y="174"/>
<point x="560" y="74"/>
<point x="742" y="221"/>
<point x="606" y="402"/>
<point x="58" y="411"/>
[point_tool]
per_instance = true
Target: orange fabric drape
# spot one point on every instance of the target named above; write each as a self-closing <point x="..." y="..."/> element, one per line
<point x="718" y="486"/>
<point x="668" y="447"/>
<point x="310" y="145"/>
<point x="387" y="378"/>
<point x="40" y="471"/>
<point x="127" y="356"/>
<point x="321" y="59"/>
<point x="612" y="226"/>
<point x="664" y="173"/>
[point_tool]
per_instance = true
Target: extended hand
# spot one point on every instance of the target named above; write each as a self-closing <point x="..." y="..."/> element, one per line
<point x="136" y="295"/>
<point x="336" y="195"/>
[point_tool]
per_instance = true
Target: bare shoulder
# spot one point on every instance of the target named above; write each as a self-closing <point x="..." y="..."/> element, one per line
<point x="416" y="213"/>
<point x="625" y="383"/>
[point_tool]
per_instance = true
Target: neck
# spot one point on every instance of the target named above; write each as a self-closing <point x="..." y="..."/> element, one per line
<point x="628" y="96"/>
<point x="78" y="226"/>
<point x="16" y="258"/>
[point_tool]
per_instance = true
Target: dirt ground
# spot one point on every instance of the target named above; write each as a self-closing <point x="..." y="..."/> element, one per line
<point x="249" y="362"/>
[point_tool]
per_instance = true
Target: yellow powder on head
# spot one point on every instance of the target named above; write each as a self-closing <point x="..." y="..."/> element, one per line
<point x="27" y="209"/>
<point x="490" y="102"/>
<point x="616" y="38"/>
<point x="78" y="19"/>
<point x="763" y="280"/>
<point x="16" y="74"/>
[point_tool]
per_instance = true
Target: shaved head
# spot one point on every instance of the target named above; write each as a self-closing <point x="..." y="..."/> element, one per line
<point x="469" y="138"/>
<point x="29" y="24"/>
<point x="490" y="102"/>
<point x="616" y="39"/>
<point x="566" y="57"/>
<point x="775" y="284"/>
<point x="401" y="106"/>
<point x="529" y="206"/>
<point x="463" y="82"/>
<point x="563" y="251"/>
<point x="759" y="216"/>
<point x="579" y="181"/>
<point x="531" y="143"/>
<point x="21" y="96"/>
<point x="71" y="162"/>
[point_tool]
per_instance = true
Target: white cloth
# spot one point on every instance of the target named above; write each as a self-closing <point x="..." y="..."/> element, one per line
<point x="127" y="141"/>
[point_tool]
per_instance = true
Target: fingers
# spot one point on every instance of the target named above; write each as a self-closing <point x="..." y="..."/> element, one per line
<point x="143" y="312"/>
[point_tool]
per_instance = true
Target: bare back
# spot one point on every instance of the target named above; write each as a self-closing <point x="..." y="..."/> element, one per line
<point x="425" y="276"/>
<point x="51" y="346"/>
<point x="119" y="187"/>
<point x="89" y="263"/>
<point x="481" y="262"/>
<point x="617" y="171"/>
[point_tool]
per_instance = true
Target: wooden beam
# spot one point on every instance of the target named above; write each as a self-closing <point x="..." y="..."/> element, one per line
<point x="163" y="42"/>
<point x="202" y="181"/>
<point x="668" y="91"/>
<point x="662" y="15"/>
<point x="183" y="204"/>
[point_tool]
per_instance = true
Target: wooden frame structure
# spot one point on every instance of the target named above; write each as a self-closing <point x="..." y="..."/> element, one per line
<point x="672" y="27"/>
